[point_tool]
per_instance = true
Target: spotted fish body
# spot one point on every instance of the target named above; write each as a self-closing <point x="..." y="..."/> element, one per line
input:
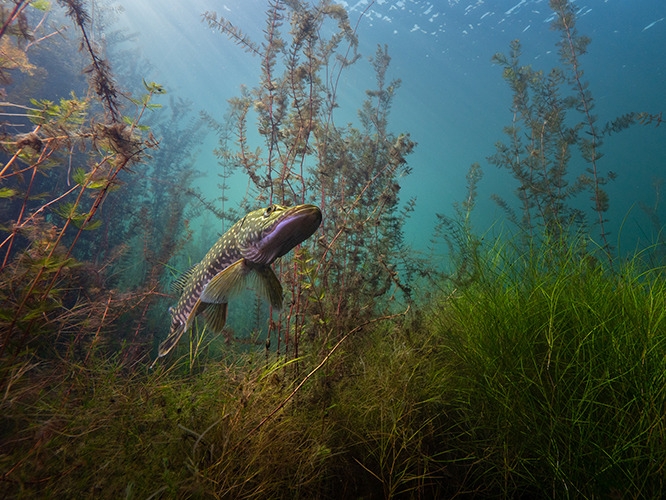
<point x="242" y="256"/>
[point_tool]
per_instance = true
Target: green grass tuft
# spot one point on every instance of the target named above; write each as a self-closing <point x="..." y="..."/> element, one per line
<point x="543" y="377"/>
<point x="561" y="376"/>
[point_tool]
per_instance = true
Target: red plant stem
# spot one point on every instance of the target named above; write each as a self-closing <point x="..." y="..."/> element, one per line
<point x="342" y="287"/>
<point x="56" y="275"/>
<point x="101" y="323"/>
<point x="11" y="160"/>
<point x="15" y="155"/>
<point x="298" y="326"/>
<point x="98" y="201"/>
<point x="16" y="228"/>
<point x="354" y="203"/>
<point x="39" y="275"/>
<point x="138" y="326"/>
<point x="19" y="226"/>
<point x="308" y="129"/>
<point x="315" y="370"/>
<point x="35" y="280"/>
<point x="270" y="88"/>
<point x="329" y="119"/>
<point x="34" y="42"/>
<point x="590" y="122"/>
<point x="18" y="8"/>
<point x="110" y="104"/>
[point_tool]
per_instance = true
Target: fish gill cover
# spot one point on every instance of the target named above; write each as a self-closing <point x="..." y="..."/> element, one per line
<point x="447" y="330"/>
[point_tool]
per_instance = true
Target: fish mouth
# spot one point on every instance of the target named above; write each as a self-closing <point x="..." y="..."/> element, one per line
<point x="295" y="226"/>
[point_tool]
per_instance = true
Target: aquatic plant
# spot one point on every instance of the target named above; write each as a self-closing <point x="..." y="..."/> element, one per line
<point x="526" y="384"/>
<point x="352" y="174"/>
<point x="55" y="178"/>
<point x="531" y="379"/>
<point x="550" y="125"/>
<point x="458" y="234"/>
<point x="224" y="130"/>
<point x="559" y="375"/>
<point x="14" y="36"/>
<point x="655" y="253"/>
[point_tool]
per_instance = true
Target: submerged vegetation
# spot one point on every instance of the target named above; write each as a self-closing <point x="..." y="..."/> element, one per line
<point x="536" y="369"/>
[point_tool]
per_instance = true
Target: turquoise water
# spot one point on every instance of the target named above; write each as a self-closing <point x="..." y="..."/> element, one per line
<point x="453" y="100"/>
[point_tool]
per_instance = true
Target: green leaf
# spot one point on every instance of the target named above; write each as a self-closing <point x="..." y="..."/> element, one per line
<point x="41" y="5"/>
<point x="68" y="211"/>
<point x="79" y="176"/>
<point x="7" y="192"/>
<point x="153" y="87"/>
<point x="93" y="224"/>
<point x="55" y="263"/>
<point x="101" y="184"/>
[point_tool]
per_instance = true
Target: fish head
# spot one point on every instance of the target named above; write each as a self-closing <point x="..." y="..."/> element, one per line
<point x="271" y="232"/>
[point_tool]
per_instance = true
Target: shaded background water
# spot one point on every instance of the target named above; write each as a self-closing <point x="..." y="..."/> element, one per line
<point x="453" y="100"/>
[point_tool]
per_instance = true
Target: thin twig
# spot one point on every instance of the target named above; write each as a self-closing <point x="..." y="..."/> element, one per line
<point x="315" y="370"/>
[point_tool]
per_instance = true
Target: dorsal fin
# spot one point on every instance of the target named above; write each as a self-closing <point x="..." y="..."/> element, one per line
<point x="178" y="286"/>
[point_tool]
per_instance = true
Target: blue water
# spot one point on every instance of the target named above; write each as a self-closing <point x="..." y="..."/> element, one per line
<point x="453" y="100"/>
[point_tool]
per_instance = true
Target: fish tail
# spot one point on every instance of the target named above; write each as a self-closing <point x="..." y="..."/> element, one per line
<point x="171" y="341"/>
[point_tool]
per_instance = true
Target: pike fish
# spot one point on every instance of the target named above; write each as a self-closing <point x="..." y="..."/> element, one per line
<point x="241" y="257"/>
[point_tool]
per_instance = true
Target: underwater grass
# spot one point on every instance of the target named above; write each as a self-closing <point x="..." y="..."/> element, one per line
<point x="542" y="377"/>
<point x="106" y="432"/>
<point x="561" y="375"/>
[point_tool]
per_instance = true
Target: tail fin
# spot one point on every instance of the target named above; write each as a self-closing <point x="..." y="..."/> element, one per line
<point x="171" y="340"/>
<point x="177" y="330"/>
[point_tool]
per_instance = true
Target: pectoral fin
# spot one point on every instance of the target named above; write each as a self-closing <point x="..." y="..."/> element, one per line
<point x="268" y="286"/>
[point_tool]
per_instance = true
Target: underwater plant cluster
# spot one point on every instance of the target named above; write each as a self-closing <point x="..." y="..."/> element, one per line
<point x="525" y="364"/>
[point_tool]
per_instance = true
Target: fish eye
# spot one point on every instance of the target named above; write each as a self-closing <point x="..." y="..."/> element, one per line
<point x="270" y="210"/>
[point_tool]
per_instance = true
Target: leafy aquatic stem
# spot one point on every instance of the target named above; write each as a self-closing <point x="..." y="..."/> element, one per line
<point x="52" y="248"/>
<point x="122" y="149"/>
<point x="315" y="370"/>
<point x="102" y="79"/>
<point x="19" y="7"/>
<point x="23" y="223"/>
<point x="306" y="158"/>
<point x="332" y="82"/>
<point x="152" y="88"/>
<point x="575" y="46"/>
<point x="347" y="214"/>
<point x="539" y="148"/>
<point x="268" y="62"/>
<point x="99" y="329"/>
<point x="16" y="154"/>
